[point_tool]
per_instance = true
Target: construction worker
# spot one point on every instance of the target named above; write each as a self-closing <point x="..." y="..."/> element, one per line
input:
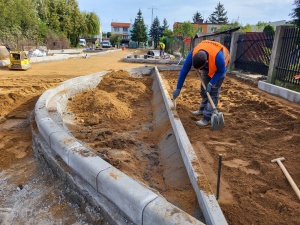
<point x="211" y="59"/>
<point x="161" y="49"/>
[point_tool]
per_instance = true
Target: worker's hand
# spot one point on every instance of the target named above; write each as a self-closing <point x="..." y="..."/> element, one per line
<point x="176" y="93"/>
<point x="208" y="87"/>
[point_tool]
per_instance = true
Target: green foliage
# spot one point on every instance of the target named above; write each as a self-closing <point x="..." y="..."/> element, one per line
<point x="92" y="22"/>
<point x="116" y="39"/>
<point x="168" y="33"/>
<point x="31" y="21"/>
<point x="228" y="26"/>
<point x="185" y="30"/>
<point x="287" y="85"/>
<point x="246" y="28"/>
<point x="156" y="31"/>
<point x="260" y="25"/>
<point x="18" y="21"/>
<point x="219" y="15"/>
<point x="165" y="25"/>
<point x="139" y="33"/>
<point x="197" y="17"/>
<point x="108" y="34"/>
<point x="269" y="29"/>
<point x="296" y="13"/>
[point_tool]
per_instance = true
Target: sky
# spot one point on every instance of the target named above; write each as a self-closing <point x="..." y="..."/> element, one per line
<point x="245" y="12"/>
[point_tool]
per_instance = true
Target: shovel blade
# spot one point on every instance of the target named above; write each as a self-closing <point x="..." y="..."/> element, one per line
<point x="217" y="121"/>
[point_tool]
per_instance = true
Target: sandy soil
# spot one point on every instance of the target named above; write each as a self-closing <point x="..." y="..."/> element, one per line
<point x="19" y="91"/>
<point x="116" y="119"/>
<point x="259" y="128"/>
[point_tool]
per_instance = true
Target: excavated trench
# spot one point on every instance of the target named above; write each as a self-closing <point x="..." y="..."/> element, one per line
<point x="122" y="122"/>
<point x="116" y="139"/>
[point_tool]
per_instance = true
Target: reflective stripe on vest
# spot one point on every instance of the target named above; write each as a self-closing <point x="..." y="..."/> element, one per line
<point x="212" y="48"/>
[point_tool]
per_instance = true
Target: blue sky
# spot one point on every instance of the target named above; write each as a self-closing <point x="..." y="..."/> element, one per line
<point x="244" y="12"/>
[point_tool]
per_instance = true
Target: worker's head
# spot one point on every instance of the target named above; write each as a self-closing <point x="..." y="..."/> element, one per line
<point x="199" y="59"/>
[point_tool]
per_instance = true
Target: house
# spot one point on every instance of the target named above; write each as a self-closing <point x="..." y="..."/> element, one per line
<point x="200" y="27"/>
<point x="121" y="28"/>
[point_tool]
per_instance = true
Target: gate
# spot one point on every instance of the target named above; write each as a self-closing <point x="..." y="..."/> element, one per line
<point x="289" y="61"/>
<point x="254" y="52"/>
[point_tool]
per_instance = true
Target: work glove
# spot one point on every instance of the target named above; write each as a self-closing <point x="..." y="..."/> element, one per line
<point x="176" y="93"/>
<point x="208" y="87"/>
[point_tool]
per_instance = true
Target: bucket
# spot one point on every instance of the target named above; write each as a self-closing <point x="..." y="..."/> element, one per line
<point x="123" y="48"/>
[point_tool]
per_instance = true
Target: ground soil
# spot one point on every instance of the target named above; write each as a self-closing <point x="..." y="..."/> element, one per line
<point x="259" y="127"/>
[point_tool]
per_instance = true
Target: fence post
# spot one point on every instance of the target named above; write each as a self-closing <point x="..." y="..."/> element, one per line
<point x="277" y="44"/>
<point x="233" y="50"/>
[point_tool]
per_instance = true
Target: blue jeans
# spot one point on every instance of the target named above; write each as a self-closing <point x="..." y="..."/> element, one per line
<point x="205" y="105"/>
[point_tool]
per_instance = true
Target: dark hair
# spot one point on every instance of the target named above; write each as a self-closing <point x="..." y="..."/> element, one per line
<point x="199" y="59"/>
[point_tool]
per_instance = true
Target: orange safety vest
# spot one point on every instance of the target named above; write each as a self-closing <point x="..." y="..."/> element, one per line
<point x="212" y="48"/>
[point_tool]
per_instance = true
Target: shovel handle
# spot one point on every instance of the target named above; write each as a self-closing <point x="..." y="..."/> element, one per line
<point x="207" y="93"/>
<point x="289" y="178"/>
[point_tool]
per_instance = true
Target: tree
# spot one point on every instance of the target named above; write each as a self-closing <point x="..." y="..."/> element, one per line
<point x="235" y="24"/>
<point x="33" y="21"/>
<point x="92" y="22"/>
<point x="184" y="30"/>
<point x="260" y="25"/>
<point x="165" y="25"/>
<point x="296" y="13"/>
<point x="156" y="31"/>
<point x="219" y="15"/>
<point x="228" y="26"/>
<point x="197" y="17"/>
<point x="116" y="39"/>
<point x="139" y="33"/>
<point x="269" y="29"/>
<point x="18" y="21"/>
<point x="168" y="33"/>
<point x="246" y="28"/>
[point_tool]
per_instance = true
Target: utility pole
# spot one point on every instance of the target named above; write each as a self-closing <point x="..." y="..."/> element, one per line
<point x="152" y="23"/>
<point x="152" y="14"/>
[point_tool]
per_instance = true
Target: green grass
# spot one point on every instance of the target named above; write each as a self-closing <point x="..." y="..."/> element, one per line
<point x="287" y="85"/>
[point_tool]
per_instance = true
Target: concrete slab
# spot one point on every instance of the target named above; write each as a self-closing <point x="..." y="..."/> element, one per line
<point x="288" y="94"/>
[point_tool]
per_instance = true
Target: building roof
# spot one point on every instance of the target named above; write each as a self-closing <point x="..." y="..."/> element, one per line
<point x="119" y="24"/>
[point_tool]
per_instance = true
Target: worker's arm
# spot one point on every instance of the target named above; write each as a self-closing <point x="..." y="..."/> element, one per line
<point x="184" y="70"/>
<point x="221" y="68"/>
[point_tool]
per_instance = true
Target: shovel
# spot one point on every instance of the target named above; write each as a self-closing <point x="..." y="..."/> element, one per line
<point x="217" y="118"/>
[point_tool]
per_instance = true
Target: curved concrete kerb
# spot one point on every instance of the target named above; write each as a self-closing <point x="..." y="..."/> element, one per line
<point x="140" y="204"/>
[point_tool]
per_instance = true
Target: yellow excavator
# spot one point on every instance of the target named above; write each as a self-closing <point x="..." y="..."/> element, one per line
<point x="19" y="60"/>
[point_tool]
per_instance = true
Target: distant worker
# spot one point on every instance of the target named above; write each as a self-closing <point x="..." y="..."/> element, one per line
<point x="211" y="59"/>
<point x="161" y="49"/>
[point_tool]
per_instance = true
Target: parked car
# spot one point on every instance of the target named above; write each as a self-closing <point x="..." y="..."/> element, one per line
<point x="106" y="44"/>
<point x="82" y="42"/>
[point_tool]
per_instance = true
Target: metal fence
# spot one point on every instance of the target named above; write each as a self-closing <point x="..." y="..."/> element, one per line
<point x="289" y="61"/>
<point x="224" y="39"/>
<point x="176" y="45"/>
<point x="254" y="52"/>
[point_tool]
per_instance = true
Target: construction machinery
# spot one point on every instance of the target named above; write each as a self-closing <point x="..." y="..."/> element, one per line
<point x="19" y="60"/>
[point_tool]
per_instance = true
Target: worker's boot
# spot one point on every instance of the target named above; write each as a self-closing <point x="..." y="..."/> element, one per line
<point x="197" y="112"/>
<point x="203" y="122"/>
